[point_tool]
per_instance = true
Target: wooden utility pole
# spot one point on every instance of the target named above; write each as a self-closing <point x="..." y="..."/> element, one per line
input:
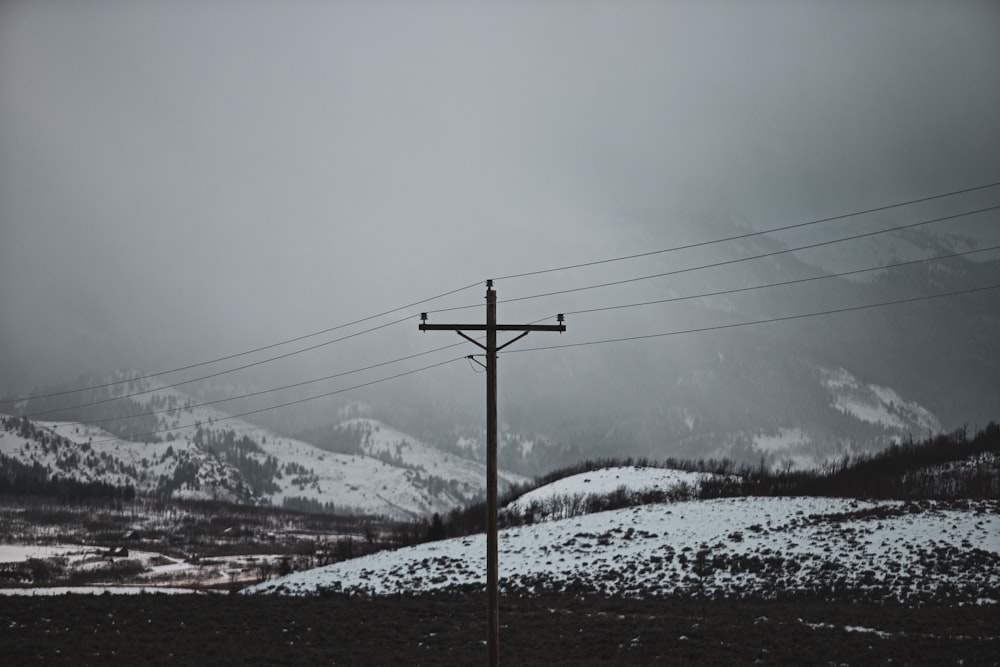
<point x="491" y="328"/>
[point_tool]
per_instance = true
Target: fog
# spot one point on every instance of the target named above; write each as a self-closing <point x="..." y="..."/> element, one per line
<point x="186" y="180"/>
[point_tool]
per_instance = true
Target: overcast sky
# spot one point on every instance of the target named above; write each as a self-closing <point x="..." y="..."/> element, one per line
<point x="181" y="180"/>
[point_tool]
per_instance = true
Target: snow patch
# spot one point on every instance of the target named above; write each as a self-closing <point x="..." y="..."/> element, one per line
<point x="607" y="480"/>
<point x="877" y="404"/>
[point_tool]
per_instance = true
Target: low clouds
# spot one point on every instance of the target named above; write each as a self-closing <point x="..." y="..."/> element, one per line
<point x="179" y="181"/>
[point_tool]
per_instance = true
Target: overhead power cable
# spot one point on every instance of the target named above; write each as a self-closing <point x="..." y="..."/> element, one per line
<point x="751" y="234"/>
<point x="750" y="258"/>
<point x="289" y="403"/>
<point x="581" y="344"/>
<point x="742" y="259"/>
<point x="567" y="345"/>
<point x="511" y="276"/>
<point x="571" y="312"/>
<point x="212" y="375"/>
<point x="719" y="293"/>
<point x="780" y="284"/>
<point x="242" y="354"/>
<point x="188" y="406"/>
<point x="764" y="321"/>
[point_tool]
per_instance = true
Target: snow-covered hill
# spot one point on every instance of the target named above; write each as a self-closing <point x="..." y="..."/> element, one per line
<point x="735" y="546"/>
<point x="564" y="497"/>
<point x="731" y="546"/>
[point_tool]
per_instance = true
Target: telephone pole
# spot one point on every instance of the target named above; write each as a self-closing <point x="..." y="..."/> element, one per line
<point x="491" y="328"/>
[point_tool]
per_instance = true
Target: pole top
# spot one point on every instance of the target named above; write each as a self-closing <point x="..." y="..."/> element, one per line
<point x="489" y="283"/>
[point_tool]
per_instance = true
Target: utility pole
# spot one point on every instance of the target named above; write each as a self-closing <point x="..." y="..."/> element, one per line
<point x="491" y="328"/>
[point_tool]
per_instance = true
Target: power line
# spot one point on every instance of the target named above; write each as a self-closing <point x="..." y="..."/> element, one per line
<point x="743" y="259"/>
<point x="590" y="343"/>
<point x="571" y="312"/>
<point x="782" y="283"/>
<point x="242" y="354"/>
<point x="764" y="321"/>
<point x="548" y="347"/>
<point x="255" y="393"/>
<point x="453" y="308"/>
<point x="752" y="257"/>
<point x="289" y="403"/>
<point x="629" y="280"/>
<point x="751" y="234"/>
<point x="212" y="375"/>
<point x="518" y="275"/>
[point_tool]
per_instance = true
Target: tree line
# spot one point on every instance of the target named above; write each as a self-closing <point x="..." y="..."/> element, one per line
<point x="22" y="479"/>
<point x="947" y="466"/>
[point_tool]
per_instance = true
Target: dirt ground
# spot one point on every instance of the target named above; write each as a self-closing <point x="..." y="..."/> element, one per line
<point x="222" y="629"/>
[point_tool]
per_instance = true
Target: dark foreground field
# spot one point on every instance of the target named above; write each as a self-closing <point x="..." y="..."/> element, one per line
<point x="449" y="630"/>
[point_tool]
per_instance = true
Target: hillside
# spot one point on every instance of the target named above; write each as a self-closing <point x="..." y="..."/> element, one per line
<point x="575" y="494"/>
<point x="726" y="547"/>
<point x="933" y="535"/>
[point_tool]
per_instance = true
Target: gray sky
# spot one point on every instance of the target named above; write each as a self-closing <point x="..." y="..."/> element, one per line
<point x="183" y="180"/>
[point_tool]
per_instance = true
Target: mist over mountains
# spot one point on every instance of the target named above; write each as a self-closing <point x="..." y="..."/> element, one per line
<point x="795" y="393"/>
<point x="207" y="187"/>
<point x="798" y="391"/>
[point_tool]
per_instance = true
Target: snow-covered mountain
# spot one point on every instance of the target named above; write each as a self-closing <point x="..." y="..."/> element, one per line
<point x="791" y="391"/>
<point x="70" y="450"/>
<point x="228" y="458"/>
<point x="789" y="412"/>
<point x="877" y="405"/>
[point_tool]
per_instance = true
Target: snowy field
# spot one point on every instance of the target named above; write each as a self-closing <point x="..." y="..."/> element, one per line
<point x="730" y="546"/>
<point x="15" y="553"/>
<point x="158" y="572"/>
<point x="99" y="590"/>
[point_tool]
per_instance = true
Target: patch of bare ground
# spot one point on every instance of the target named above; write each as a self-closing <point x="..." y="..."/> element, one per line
<point x="449" y="630"/>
